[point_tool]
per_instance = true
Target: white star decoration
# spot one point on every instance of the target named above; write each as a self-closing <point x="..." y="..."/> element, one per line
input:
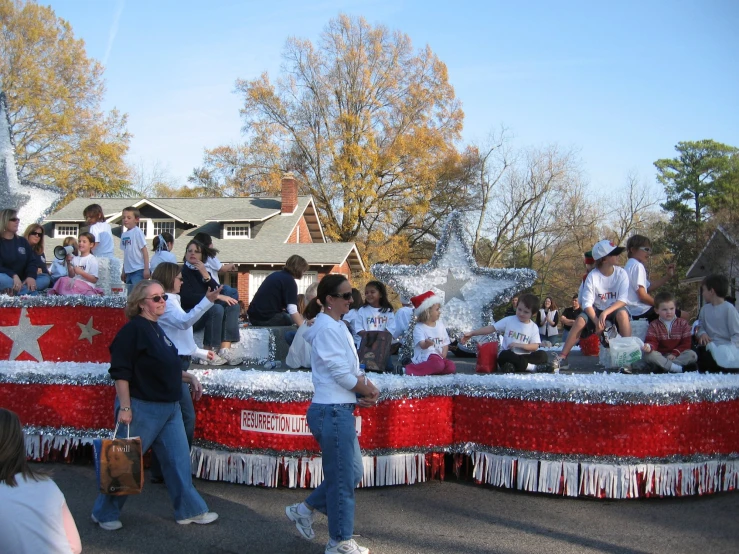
<point x="469" y="292"/>
<point x="25" y="337"/>
<point x="87" y="331"/>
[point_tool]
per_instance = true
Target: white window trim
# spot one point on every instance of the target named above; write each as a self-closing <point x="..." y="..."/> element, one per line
<point x="308" y="278"/>
<point x="58" y="235"/>
<point x="226" y="236"/>
<point x="150" y="221"/>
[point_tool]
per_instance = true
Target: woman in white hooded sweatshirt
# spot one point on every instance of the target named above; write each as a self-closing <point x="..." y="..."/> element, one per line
<point x="339" y="385"/>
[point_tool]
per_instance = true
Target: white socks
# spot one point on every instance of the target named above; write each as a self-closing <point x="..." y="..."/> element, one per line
<point x="303" y="510"/>
<point x="674" y="368"/>
<point x="530" y="367"/>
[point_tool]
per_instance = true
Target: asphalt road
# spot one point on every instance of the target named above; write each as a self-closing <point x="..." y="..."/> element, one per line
<point x="435" y="517"/>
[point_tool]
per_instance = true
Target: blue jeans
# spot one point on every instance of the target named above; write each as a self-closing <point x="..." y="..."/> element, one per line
<point x="6" y="282"/>
<point x="230" y="292"/>
<point x="133" y="278"/>
<point x="188" y="418"/>
<point x="221" y="324"/>
<point x="159" y="424"/>
<point x="333" y="427"/>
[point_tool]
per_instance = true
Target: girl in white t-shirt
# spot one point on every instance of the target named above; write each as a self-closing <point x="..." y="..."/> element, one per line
<point x="100" y="229"/>
<point x="34" y="516"/>
<point x="163" y="245"/>
<point x="640" y="301"/>
<point x="603" y="298"/>
<point x="82" y="270"/>
<point x="430" y="339"/>
<point x="520" y="344"/>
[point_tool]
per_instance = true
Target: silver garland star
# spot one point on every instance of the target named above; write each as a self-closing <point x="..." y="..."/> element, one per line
<point x="25" y="337"/>
<point x="87" y="331"/>
<point x="469" y="292"/>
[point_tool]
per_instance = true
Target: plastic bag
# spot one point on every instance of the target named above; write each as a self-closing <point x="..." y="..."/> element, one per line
<point x="625" y="350"/>
<point x="725" y="355"/>
<point x="487" y="357"/>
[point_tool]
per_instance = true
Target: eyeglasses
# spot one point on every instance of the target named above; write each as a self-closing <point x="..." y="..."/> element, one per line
<point x="15" y="219"/>
<point x="345" y="296"/>
<point x="646" y="249"/>
<point x="159" y="298"/>
<point x="36" y="234"/>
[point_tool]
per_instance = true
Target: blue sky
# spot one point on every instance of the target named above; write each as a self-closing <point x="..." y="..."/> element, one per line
<point x="621" y="82"/>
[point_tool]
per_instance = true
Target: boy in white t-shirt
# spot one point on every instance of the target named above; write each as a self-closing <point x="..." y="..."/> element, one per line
<point x="133" y="244"/>
<point x="430" y="339"/>
<point x="520" y="345"/>
<point x="640" y="301"/>
<point x="603" y="299"/>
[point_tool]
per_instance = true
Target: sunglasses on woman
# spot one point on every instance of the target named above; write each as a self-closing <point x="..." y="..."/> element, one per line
<point x="159" y="298"/>
<point x="36" y="234"/>
<point x="345" y="296"/>
<point x="15" y="219"/>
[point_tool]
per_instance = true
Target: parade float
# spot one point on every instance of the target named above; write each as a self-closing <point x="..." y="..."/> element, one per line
<point x="599" y="435"/>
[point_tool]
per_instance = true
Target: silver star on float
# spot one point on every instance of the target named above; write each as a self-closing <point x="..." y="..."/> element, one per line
<point x="25" y="337"/>
<point x="87" y="331"/>
<point x="452" y="288"/>
<point x="470" y="292"/>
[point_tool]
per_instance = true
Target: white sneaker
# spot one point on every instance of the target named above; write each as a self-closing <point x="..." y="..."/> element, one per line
<point x="108" y="525"/>
<point x="346" y="547"/>
<point x="230" y="355"/>
<point x="303" y="523"/>
<point x="202" y="519"/>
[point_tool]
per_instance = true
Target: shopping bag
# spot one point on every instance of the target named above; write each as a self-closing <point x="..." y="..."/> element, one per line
<point x="374" y="350"/>
<point x="625" y="350"/>
<point x="487" y="357"/>
<point x="119" y="465"/>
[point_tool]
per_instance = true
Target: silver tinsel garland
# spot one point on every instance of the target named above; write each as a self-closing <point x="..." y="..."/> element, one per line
<point x="55" y="301"/>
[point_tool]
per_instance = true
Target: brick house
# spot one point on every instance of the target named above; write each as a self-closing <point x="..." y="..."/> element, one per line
<point x="256" y="233"/>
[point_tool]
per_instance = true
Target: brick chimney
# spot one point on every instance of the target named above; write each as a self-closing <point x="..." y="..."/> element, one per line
<point x="289" y="187"/>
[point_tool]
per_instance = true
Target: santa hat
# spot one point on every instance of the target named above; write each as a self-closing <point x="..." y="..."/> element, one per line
<point x="424" y="301"/>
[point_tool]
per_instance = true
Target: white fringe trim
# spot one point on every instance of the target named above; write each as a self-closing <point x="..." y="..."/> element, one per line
<point x="303" y="472"/>
<point x="606" y="480"/>
<point x="38" y="446"/>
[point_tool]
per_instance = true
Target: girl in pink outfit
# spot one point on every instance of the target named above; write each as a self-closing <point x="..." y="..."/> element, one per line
<point x="430" y="339"/>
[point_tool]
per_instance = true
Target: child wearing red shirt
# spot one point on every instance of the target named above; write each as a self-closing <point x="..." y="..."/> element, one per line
<point x="667" y="345"/>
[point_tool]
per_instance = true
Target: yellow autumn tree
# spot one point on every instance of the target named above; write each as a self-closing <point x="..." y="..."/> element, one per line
<point x="366" y="121"/>
<point x="54" y="91"/>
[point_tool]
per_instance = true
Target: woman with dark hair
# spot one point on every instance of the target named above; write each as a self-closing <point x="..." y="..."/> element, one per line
<point x="18" y="266"/>
<point x="148" y="382"/>
<point x="221" y="321"/>
<point x="34" y="234"/>
<point x="34" y="516"/>
<point x="547" y="318"/>
<point x="338" y="386"/>
<point x="276" y="300"/>
<point x="640" y="300"/>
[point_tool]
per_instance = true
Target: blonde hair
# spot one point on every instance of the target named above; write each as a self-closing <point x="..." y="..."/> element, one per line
<point x="137" y="296"/>
<point x="5" y="216"/>
<point x="423" y="317"/>
<point x="73" y="242"/>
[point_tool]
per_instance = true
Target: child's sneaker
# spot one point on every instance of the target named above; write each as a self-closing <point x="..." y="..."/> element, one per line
<point x="304" y="523"/>
<point x="508" y="367"/>
<point x="230" y="355"/>
<point x="346" y="547"/>
<point x="559" y="363"/>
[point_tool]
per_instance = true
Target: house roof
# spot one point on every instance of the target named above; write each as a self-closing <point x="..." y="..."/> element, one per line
<point x="720" y="255"/>
<point x="270" y="228"/>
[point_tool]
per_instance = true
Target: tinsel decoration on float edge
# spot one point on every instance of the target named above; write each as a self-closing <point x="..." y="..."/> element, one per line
<point x="469" y="292"/>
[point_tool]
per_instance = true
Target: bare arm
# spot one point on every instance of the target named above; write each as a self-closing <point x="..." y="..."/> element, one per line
<point x="487" y="330"/>
<point x="124" y="399"/>
<point x="70" y="529"/>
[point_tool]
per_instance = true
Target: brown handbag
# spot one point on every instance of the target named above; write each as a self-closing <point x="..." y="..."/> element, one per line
<point x="374" y="350"/>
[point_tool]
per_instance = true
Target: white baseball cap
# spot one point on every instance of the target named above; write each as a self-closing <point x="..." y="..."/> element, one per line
<point x="605" y="248"/>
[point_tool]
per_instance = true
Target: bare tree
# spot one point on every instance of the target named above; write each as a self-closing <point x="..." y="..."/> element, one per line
<point x="151" y="179"/>
<point x="637" y="204"/>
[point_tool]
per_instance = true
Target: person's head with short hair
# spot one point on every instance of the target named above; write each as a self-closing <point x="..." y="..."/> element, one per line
<point x="715" y="287"/>
<point x="9" y="221"/>
<point x="93" y="214"/>
<point x="163" y="242"/>
<point x="138" y="296"/>
<point x="664" y="305"/>
<point x="639" y="247"/>
<point x="86" y="242"/>
<point x="310" y="292"/>
<point x="296" y="266"/>
<point x="130" y="217"/>
<point x="514" y="302"/>
<point x="13" y="451"/>
<point x="528" y="304"/>
<point x="34" y="234"/>
<point x="167" y="273"/>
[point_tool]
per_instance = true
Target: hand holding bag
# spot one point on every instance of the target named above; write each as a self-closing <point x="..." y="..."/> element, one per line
<point x="374" y="350"/>
<point x="119" y="464"/>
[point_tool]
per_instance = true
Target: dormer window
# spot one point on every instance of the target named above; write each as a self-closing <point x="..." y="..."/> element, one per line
<point x="237" y="231"/>
<point x="64" y="230"/>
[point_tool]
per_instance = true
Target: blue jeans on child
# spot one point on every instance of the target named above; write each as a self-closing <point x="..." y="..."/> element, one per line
<point x="43" y="280"/>
<point x="333" y="427"/>
<point x="159" y="424"/>
<point x="133" y="278"/>
<point x="6" y="282"/>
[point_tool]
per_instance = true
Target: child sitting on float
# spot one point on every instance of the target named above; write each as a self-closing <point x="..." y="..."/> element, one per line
<point x="58" y="267"/>
<point x="82" y="271"/>
<point x="430" y="339"/>
<point x="520" y="345"/>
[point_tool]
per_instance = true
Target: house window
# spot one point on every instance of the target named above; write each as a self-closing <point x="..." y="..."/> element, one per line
<point x="63" y="230"/>
<point x="143" y="225"/>
<point x="240" y="231"/>
<point x="163" y="226"/>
